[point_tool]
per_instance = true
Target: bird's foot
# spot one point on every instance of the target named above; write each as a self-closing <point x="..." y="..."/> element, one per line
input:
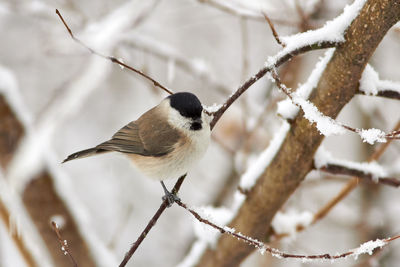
<point x="170" y="197"/>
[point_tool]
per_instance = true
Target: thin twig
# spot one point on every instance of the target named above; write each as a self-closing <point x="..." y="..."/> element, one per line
<point x="274" y="33"/>
<point x="64" y="244"/>
<point x="151" y="223"/>
<point x="275" y="252"/>
<point x="111" y="58"/>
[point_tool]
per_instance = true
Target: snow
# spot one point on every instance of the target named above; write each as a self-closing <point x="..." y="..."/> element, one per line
<point x="372" y="135"/>
<point x="250" y="177"/>
<point x="332" y="31"/>
<point x="370" y="83"/>
<point x="323" y="158"/>
<point x="368" y="247"/>
<point x="288" y="222"/>
<point x="325" y="125"/>
<point x="285" y="107"/>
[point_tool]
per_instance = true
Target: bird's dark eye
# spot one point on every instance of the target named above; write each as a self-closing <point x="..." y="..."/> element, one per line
<point x="195" y="126"/>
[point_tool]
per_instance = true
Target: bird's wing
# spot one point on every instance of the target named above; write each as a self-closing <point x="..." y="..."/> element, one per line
<point x="153" y="138"/>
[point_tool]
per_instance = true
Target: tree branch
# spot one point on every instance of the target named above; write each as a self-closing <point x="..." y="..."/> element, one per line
<point x="340" y="169"/>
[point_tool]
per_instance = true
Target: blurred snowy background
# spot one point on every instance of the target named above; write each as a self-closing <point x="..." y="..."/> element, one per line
<point x="67" y="99"/>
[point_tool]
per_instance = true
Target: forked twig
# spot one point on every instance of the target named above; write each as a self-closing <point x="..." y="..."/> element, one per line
<point x="64" y="244"/>
<point x="112" y="59"/>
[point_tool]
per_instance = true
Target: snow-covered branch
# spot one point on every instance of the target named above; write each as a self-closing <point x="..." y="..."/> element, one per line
<point x="371" y="85"/>
<point x="328" y="126"/>
<point x="365" y="248"/>
<point x="324" y="161"/>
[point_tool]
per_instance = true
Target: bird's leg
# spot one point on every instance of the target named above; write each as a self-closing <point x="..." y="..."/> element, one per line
<point x="170" y="197"/>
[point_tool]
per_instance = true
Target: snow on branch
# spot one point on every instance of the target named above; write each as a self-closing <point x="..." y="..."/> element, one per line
<point x="365" y="248"/>
<point x="286" y="108"/>
<point x="372" y="171"/>
<point x="333" y="31"/>
<point x="328" y="126"/>
<point x="370" y="84"/>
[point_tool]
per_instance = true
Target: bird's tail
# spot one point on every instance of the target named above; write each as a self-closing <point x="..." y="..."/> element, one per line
<point x="85" y="153"/>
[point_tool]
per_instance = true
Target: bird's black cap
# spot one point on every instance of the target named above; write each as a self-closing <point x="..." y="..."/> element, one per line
<point x="187" y="104"/>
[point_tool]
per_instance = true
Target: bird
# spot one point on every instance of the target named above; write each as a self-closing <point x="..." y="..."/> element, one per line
<point x="164" y="142"/>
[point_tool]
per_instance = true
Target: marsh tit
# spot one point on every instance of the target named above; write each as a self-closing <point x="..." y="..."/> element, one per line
<point x="164" y="142"/>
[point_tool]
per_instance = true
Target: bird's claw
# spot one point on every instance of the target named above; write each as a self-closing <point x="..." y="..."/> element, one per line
<point x="171" y="198"/>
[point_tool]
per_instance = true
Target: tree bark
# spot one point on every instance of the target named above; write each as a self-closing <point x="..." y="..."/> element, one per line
<point x="337" y="86"/>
